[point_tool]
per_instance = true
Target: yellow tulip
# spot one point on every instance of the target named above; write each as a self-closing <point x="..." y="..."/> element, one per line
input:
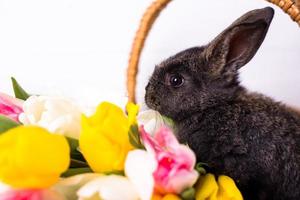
<point x="228" y="188"/>
<point x="104" y="139"/>
<point x="156" y="196"/>
<point x="171" y="197"/>
<point x="225" y="189"/>
<point x="132" y="110"/>
<point x="32" y="158"/>
<point x="207" y="188"/>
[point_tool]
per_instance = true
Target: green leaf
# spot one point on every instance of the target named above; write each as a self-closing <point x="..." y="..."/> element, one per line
<point x="200" y="167"/>
<point x="77" y="159"/>
<point x="73" y="143"/>
<point x="77" y="156"/>
<point x="77" y="163"/>
<point x="134" y="137"/>
<point x="74" y="146"/>
<point x="20" y="93"/>
<point x="116" y="172"/>
<point x="188" y="194"/>
<point x="168" y="121"/>
<point x="6" y="124"/>
<point x="75" y="171"/>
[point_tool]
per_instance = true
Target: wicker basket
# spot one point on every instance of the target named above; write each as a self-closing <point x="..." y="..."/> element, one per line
<point x="291" y="7"/>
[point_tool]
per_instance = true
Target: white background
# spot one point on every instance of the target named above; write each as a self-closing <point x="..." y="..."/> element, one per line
<point x="80" y="47"/>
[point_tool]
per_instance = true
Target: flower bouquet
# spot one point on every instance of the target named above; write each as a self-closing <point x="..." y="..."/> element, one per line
<point x="51" y="149"/>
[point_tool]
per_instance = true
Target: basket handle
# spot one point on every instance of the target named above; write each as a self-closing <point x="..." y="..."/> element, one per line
<point x="288" y="6"/>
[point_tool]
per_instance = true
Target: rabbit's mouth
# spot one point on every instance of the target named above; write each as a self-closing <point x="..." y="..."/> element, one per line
<point x="151" y="99"/>
<point x="152" y="102"/>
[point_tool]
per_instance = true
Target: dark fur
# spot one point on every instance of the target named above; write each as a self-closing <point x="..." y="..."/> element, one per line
<point x="244" y="135"/>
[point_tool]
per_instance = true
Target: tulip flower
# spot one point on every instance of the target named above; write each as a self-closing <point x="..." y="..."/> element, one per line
<point x="32" y="158"/>
<point x="10" y="107"/>
<point x="56" y="114"/>
<point x="139" y="168"/>
<point x="165" y="197"/>
<point x="110" y="187"/>
<point x="70" y="185"/>
<point x="39" y="194"/>
<point x="224" y="189"/>
<point x="169" y="166"/>
<point x="93" y="186"/>
<point x="151" y="120"/>
<point x="175" y="162"/>
<point x="104" y="140"/>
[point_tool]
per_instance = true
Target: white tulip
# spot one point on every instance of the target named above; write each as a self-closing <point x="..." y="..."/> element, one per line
<point x="110" y="187"/>
<point x="57" y="114"/>
<point x="152" y="121"/>
<point x="4" y="188"/>
<point x="68" y="187"/>
<point x="139" y="167"/>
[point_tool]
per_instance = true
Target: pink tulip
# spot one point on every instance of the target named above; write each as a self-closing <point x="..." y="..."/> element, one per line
<point x="175" y="162"/>
<point x="38" y="194"/>
<point x="10" y="107"/>
<point x="22" y="195"/>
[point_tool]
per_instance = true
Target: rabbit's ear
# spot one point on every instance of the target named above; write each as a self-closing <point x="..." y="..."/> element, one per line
<point x="235" y="46"/>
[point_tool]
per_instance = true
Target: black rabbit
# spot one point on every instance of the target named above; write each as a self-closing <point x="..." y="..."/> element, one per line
<point x="247" y="136"/>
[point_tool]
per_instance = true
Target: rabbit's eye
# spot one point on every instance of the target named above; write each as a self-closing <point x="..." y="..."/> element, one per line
<point x="176" y="80"/>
